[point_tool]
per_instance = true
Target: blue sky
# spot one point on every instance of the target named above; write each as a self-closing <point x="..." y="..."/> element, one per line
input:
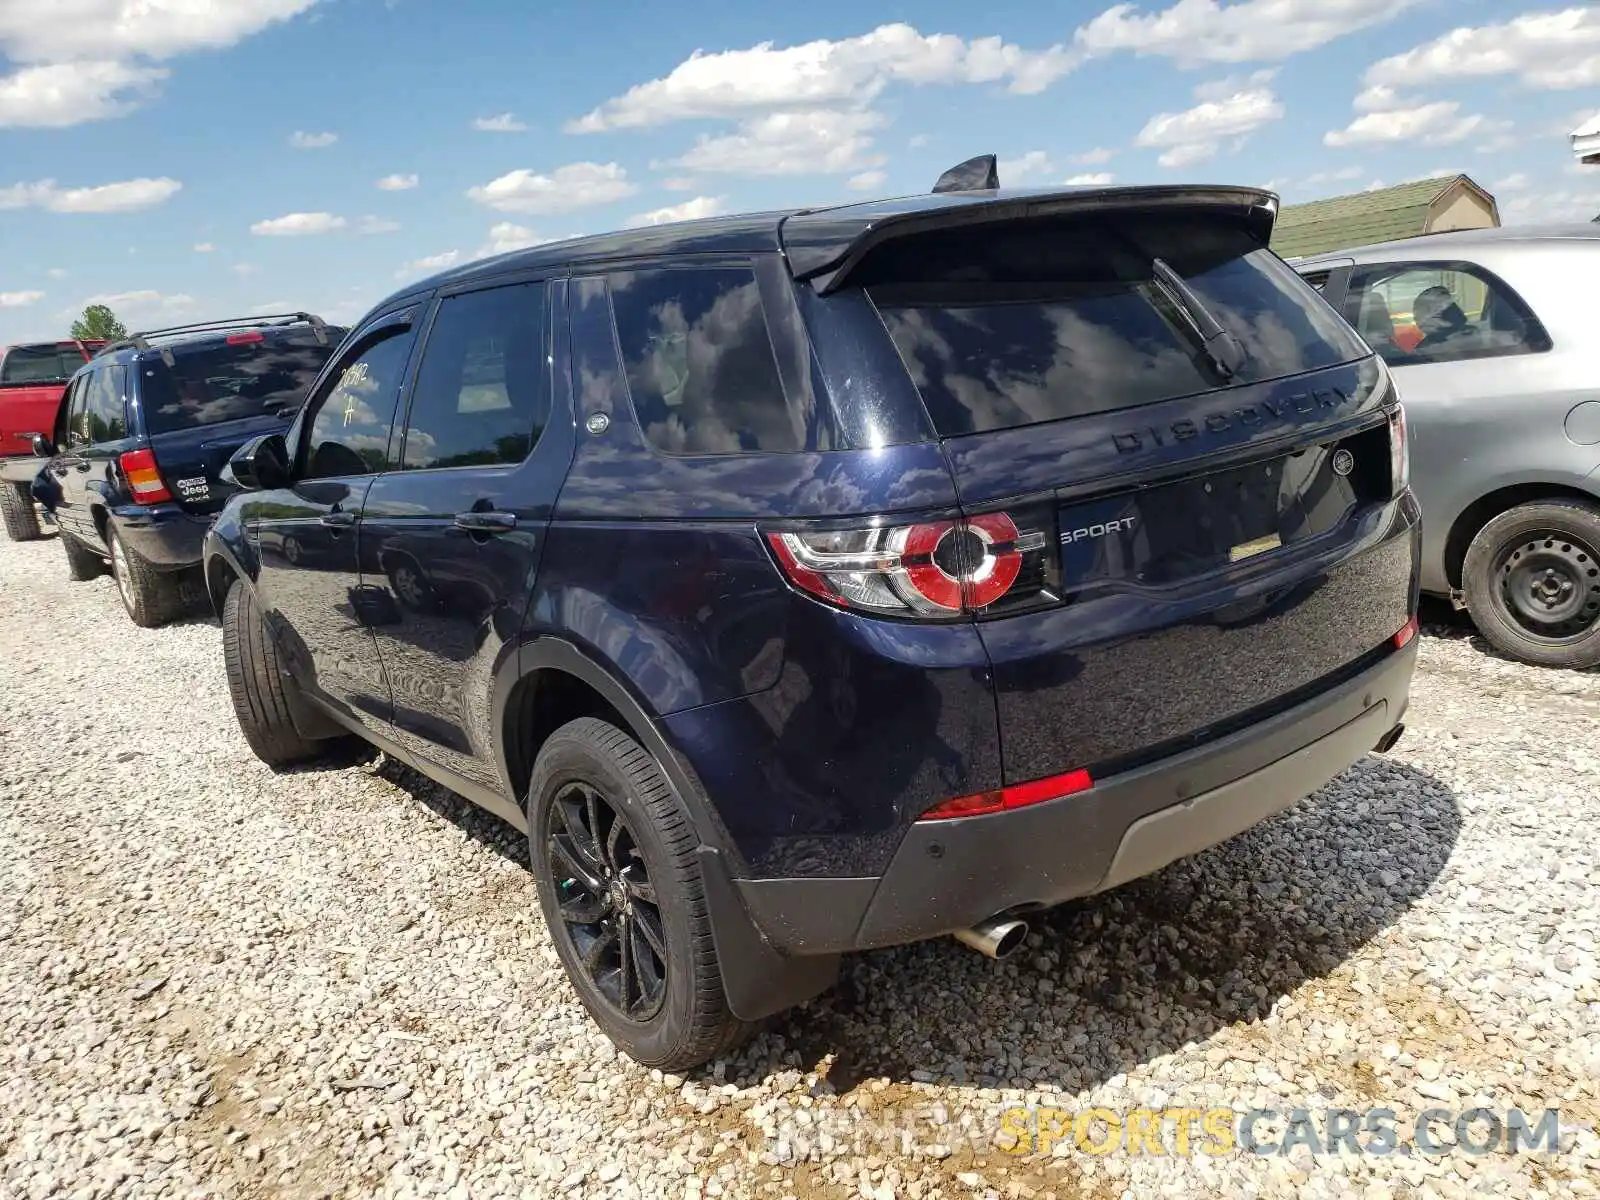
<point x="186" y="159"/>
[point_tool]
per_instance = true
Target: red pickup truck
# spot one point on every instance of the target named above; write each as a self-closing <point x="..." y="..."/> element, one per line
<point x="33" y="378"/>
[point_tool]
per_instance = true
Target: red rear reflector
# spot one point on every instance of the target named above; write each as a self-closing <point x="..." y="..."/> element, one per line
<point x="245" y="339"/>
<point x="1407" y="632"/>
<point x="144" y="478"/>
<point x="1018" y="795"/>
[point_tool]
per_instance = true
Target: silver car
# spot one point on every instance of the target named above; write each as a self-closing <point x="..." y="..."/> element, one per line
<point x="1492" y="338"/>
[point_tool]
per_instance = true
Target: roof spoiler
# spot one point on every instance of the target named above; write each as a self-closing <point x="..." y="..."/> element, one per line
<point x="980" y="174"/>
<point x="825" y="246"/>
<point x="141" y="340"/>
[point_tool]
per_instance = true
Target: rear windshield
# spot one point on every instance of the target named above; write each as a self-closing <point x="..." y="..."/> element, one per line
<point x="210" y="384"/>
<point x="39" y="364"/>
<point x="1038" y="321"/>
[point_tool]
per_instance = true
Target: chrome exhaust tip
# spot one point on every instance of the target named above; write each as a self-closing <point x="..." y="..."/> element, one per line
<point x="995" y="938"/>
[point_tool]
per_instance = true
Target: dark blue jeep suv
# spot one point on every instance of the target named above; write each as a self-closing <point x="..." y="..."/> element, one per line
<point x="145" y="429"/>
<point x="815" y="581"/>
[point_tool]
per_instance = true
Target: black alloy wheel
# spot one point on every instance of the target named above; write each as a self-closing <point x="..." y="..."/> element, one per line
<point x="608" y="904"/>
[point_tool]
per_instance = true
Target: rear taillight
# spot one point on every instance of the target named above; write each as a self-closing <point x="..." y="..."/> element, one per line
<point x="940" y="568"/>
<point x="1017" y="795"/>
<point x="1399" y="451"/>
<point x="144" y="477"/>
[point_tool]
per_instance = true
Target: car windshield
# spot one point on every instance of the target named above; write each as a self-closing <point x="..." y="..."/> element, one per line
<point x="210" y="384"/>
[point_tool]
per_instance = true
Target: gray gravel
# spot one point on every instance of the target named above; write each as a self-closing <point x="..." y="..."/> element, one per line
<point x="217" y="981"/>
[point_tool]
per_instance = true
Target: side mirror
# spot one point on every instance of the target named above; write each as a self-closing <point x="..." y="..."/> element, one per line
<point x="261" y="464"/>
<point x="43" y="447"/>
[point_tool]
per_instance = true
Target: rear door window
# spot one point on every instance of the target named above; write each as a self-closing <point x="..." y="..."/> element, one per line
<point x="482" y="394"/>
<point x="1040" y="321"/>
<point x="700" y="362"/>
<point x="210" y="384"/>
<point x="1441" y="312"/>
<point x="104" y="411"/>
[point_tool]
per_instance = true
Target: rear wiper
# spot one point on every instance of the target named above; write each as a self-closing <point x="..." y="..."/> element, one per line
<point x="1223" y="351"/>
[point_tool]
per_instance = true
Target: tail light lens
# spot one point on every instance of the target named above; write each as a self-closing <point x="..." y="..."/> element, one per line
<point x="1403" y="637"/>
<point x="1399" y="450"/>
<point x="943" y="568"/>
<point x="144" y="477"/>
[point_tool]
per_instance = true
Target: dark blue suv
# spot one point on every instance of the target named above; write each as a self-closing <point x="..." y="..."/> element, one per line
<point x="145" y="429"/>
<point x="816" y="581"/>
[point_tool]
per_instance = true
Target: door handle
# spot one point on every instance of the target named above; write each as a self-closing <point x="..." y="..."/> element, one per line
<point x="82" y="466"/>
<point x="486" y="522"/>
<point x="338" y="519"/>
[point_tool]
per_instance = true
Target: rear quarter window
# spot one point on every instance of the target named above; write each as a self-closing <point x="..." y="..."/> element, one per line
<point x="1041" y="321"/>
<point x="700" y="364"/>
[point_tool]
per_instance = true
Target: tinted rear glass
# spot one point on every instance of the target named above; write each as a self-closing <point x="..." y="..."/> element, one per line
<point x="39" y="364"/>
<point x="214" y="383"/>
<point x="1038" y="321"/>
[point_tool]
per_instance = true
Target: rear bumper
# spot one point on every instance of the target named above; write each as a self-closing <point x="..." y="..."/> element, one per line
<point x="949" y="875"/>
<point x="164" y="535"/>
<point x="20" y="468"/>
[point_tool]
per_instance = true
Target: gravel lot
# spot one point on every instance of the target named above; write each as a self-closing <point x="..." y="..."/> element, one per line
<point x="217" y="981"/>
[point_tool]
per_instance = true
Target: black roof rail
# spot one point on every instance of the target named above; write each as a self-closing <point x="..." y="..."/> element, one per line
<point x="141" y="340"/>
<point x="978" y="174"/>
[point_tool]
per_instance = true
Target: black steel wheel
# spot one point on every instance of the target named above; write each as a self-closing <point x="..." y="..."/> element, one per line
<point x="608" y="904"/>
<point x="1532" y="581"/>
<point x="615" y="860"/>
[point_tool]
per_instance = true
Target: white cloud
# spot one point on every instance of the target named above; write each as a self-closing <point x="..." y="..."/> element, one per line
<point x="204" y="247"/>
<point x="1379" y="98"/>
<point x="1436" y="124"/>
<point x="244" y="269"/>
<point x="823" y="74"/>
<point x="143" y="308"/>
<point x="504" y="237"/>
<point x="504" y="123"/>
<point x="128" y="195"/>
<point x="301" y="140"/>
<point x="19" y="299"/>
<point x="1515" y="182"/>
<point x="1231" y="85"/>
<point x="397" y="183"/>
<point x="1091" y="179"/>
<point x="868" y="180"/>
<point x="689" y="210"/>
<point x="56" y="273"/>
<point x="679" y="183"/>
<point x="1013" y="171"/>
<point x="1196" y="134"/>
<point x="819" y="141"/>
<point x="1206" y="31"/>
<point x="1092" y="158"/>
<point x="80" y="60"/>
<point x="1551" y="205"/>
<point x="298" y="224"/>
<point x="566" y="189"/>
<point x="374" y="225"/>
<point x="270" y="306"/>
<point x="64" y="30"/>
<point x="1554" y="50"/>
<point x="59" y="94"/>
<point x="918" y="142"/>
<point x="427" y="266"/>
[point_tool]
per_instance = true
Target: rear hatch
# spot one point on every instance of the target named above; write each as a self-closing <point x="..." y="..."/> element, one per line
<point x="1199" y="444"/>
<point x="215" y="395"/>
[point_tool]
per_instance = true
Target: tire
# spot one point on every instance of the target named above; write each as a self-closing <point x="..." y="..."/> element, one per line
<point x="21" y="518"/>
<point x="258" y="686"/>
<point x="1532" y="583"/>
<point x="82" y="562"/>
<point x="688" y="1023"/>
<point x="151" y="598"/>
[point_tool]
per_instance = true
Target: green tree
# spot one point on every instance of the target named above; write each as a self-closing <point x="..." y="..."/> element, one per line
<point x="99" y="322"/>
